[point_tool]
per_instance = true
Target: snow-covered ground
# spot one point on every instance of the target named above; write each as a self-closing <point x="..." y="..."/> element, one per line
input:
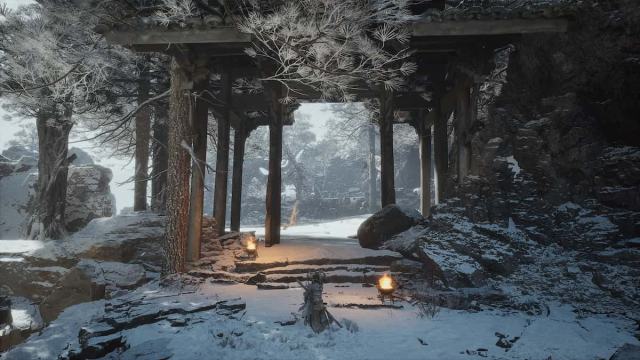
<point x="342" y="228"/>
<point x="366" y="334"/>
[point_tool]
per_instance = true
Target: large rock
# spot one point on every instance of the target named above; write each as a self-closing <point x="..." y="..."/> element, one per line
<point x="89" y="195"/>
<point x="384" y="224"/>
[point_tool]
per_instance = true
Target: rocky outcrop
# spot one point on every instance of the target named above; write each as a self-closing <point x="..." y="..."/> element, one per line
<point x="455" y="253"/>
<point x="104" y="260"/>
<point x="555" y="149"/>
<point x="385" y="223"/>
<point x="88" y="194"/>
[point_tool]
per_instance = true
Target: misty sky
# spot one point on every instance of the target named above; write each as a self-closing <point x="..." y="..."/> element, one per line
<point x="122" y="169"/>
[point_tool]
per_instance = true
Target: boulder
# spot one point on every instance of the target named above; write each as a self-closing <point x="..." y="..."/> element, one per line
<point x="384" y="224"/>
<point x="74" y="288"/>
<point x="88" y="196"/>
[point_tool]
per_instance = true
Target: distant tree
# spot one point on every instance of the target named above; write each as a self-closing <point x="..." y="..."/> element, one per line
<point x="52" y="70"/>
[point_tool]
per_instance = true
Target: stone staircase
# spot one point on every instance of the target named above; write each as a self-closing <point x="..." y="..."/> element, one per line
<point x="283" y="266"/>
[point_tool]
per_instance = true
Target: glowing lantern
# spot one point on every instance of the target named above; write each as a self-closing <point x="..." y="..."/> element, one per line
<point x="252" y="246"/>
<point x="386" y="285"/>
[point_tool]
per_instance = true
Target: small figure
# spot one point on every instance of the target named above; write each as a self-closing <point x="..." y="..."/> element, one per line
<point x="314" y="311"/>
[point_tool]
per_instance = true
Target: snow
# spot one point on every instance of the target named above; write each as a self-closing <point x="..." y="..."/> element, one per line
<point x="375" y="334"/>
<point x="514" y="165"/>
<point x="301" y="248"/>
<point x="20" y="247"/>
<point x="342" y="228"/>
<point x="99" y="232"/>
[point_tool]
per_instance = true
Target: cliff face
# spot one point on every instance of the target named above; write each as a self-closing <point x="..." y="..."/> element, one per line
<point x="557" y="150"/>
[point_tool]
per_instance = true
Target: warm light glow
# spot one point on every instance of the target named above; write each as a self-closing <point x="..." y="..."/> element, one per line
<point x="251" y="245"/>
<point x="386" y="282"/>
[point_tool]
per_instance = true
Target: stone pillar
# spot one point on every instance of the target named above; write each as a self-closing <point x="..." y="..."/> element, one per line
<point x="222" y="156"/>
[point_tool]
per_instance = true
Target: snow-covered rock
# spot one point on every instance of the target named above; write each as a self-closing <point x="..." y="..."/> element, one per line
<point x="88" y="194"/>
<point x="385" y="223"/>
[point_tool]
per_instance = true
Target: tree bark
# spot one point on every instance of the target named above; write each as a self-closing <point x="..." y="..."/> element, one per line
<point x="200" y="121"/>
<point x="53" y="168"/>
<point x="143" y="132"/>
<point x="222" y="157"/>
<point x="387" y="183"/>
<point x="239" y="142"/>
<point x="159" y="160"/>
<point x="373" y="172"/>
<point x="179" y="167"/>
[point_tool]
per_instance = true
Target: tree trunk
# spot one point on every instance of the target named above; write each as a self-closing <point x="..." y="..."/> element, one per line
<point x="222" y="157"/>
<point x="143" y="132"/>
<point x="200" y="121"/>
<point x="160" y="160"/>
<point x="240" y="139"/>
<point x="373" y="172"/>
<point x="179" y="166"/>
<point x="387" y="183"/>
<point x="53" y="169"/>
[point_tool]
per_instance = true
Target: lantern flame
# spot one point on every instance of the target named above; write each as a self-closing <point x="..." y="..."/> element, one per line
<point x="386" y="282"/>
<point x="251" y="245"/>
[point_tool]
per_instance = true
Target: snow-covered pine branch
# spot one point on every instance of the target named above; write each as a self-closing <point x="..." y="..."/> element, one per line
<point x="335" y="46"/>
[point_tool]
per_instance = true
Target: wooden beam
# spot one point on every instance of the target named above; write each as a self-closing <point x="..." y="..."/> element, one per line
<point x="200" y="121"/>
<point x="488" y="27"/>
<point x="274" y="180"/>
<point x="441" y="152"/>
<point x="240" y="138"/>
<point x="222" y="159"/>
<point x="462" y="121"/>
<point x="218" y="35"/>
<point x="424" y="133"/>
<point x="373" y="172"/>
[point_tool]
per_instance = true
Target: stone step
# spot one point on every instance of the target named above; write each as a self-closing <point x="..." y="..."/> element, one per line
<point x="256" y="266"/>
<point x="331" y="277"/>
<point x="306" y="268"/>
